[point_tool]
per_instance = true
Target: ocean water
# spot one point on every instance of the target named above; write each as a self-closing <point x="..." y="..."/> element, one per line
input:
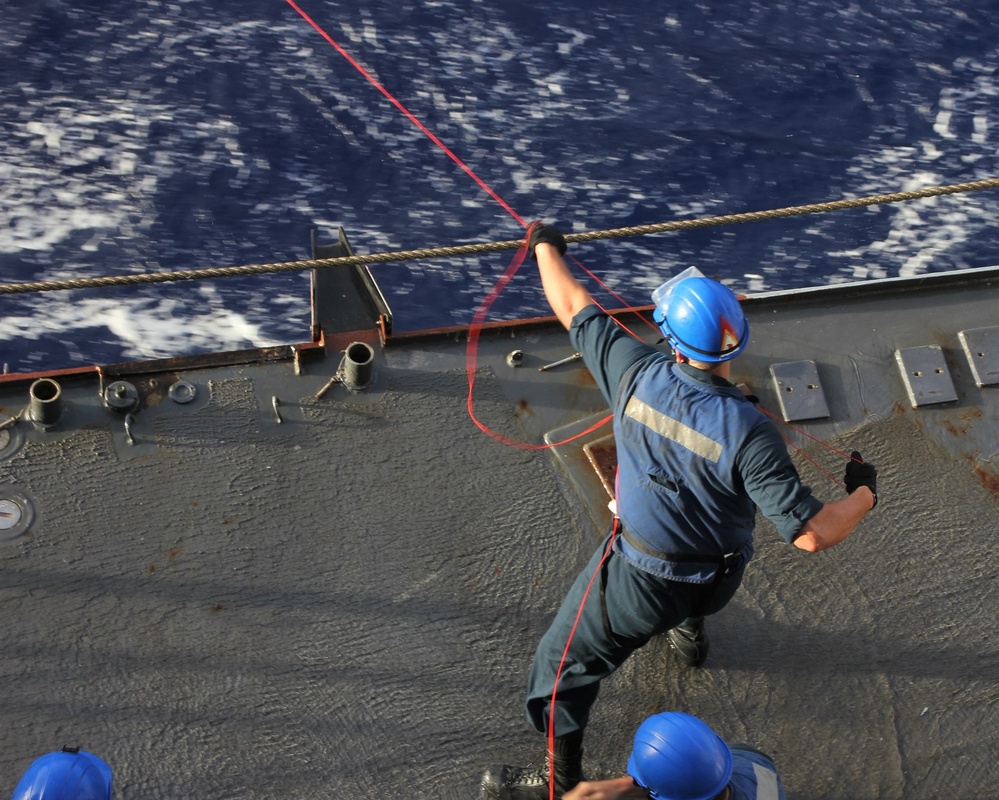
<point x="144" y="136"/>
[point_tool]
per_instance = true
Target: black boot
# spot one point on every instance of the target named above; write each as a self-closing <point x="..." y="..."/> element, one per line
<point x="523" y="783"/>
<point x="690" y="643"/>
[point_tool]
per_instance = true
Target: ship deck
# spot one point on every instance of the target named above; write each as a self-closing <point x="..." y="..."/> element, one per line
<point x="340" y="597"/>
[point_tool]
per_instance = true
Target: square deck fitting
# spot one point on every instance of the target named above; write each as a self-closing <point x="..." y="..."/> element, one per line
<point x="927" y="379"/>
<point x="981" y="346"/>
<point x="799" y="390"/>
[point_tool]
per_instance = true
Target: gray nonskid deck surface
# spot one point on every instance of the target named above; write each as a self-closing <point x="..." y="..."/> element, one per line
<point x="262" y="611"/>
<point x="345" y="605"/>
<point x="867" y="671"/>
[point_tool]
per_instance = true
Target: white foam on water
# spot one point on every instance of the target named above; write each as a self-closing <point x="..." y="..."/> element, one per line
<point x="922" y="234"/>
<point x="589" y="127"/>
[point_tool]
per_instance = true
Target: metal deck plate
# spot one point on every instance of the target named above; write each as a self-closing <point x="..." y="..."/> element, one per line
<point x="799" y="390"/>
<point x="927" y="378"/>
<point x="981" y="346"/>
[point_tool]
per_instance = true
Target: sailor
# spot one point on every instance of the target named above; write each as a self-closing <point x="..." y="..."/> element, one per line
<point x="677" y="756"/>
<point x="67" y="774"/>
<point x="696" y="457"/>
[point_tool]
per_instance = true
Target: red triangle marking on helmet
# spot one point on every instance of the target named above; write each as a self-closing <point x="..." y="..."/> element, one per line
<point x="729" y="338"/>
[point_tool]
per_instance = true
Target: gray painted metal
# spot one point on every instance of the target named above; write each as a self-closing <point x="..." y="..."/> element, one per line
<point x="799" y="390"/>
<point x="341" y="600"/>
<point x="981" y="346"/>
<point x="927" y="378"/>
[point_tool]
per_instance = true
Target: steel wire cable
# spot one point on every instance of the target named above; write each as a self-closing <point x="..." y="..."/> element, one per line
<point x="455" y="251"/>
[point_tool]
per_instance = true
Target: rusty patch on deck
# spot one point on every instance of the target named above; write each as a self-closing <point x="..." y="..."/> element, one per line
<point x="965" y="420"/>
<point x="987" y="478"/>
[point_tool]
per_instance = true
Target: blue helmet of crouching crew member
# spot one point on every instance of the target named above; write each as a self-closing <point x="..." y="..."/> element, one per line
<point x="676" y="756"/>
<point x="701" y="319"/>
<point x="69" y="774"/>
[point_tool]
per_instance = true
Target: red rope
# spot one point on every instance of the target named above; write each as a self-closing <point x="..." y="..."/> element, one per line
<point x="479" y="317"/>
<point x="815" y="439"/>
<point x="625" y="303"/>
<point x="408" y="115"/>
<point x="561" y="663"/>
<point x="472" y="356"/>
<point x="480" y="314"/>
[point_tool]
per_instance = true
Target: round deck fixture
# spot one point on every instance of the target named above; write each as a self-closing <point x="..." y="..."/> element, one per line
<point x="182" y="392"/>
<point x="11" y="440"/>
<point x="121" y="396"/>
<point x="16" y="514"/>
<point x="10" y="514"/>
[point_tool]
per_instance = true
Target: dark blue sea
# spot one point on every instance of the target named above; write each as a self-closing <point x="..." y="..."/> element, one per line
<point x="146" y="136"/>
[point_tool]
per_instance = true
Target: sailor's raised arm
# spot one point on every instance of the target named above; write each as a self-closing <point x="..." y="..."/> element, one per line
<point x="566" y="295"/>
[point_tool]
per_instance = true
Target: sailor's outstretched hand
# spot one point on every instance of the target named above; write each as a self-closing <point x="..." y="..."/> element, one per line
<point x="616" y="789"/>
<point x="861" y="473"/>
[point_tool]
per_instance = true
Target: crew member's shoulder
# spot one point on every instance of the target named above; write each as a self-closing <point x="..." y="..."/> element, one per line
<point x="588" y="313"/>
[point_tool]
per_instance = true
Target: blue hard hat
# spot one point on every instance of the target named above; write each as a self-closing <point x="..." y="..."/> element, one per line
<point x="676" y="756"/>
<point x="702" y="319"/>
<point x="69" y="774"/>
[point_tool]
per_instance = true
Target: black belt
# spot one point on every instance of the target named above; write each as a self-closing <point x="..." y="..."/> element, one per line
<point x="729" y="562"/>
<point x="727" y="565"/>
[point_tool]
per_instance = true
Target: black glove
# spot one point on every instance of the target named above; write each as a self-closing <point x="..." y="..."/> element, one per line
<point x="545" y="233"/>
<point x="860" y="473"/>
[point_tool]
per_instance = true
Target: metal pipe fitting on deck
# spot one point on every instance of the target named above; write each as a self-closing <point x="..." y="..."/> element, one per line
<point x="354" y="369"/>
<point x="358" y="360"/>
<point x="45" y="402"/>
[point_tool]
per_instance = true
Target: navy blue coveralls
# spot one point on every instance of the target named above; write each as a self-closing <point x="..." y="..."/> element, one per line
<point x="754" y="775"/>
<point x="695" y="459"/>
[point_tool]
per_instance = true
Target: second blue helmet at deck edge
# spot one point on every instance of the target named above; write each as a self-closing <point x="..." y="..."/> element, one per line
<point x="677" y="756"/>
<point x="69" y="774"/>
